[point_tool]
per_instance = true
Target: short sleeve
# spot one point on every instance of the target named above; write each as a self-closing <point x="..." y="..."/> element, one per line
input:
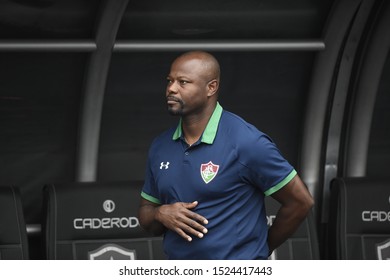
<point x="149" y="190"/>
<point x="265" y="167"/>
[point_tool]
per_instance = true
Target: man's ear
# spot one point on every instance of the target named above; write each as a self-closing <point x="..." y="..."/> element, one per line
<point x="212" y="87"/>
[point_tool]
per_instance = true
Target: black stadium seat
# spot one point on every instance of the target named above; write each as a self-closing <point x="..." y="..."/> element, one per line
<point x="359" y="219"/>
<point x="96" y="221"/>
<point x="303" y="245"/>
<point x="13" y="235"/>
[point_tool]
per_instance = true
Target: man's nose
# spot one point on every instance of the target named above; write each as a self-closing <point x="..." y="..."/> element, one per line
<point x="172" y="87"/>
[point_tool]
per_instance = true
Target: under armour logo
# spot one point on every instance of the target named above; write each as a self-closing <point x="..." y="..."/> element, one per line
<point x="164" y="165"/>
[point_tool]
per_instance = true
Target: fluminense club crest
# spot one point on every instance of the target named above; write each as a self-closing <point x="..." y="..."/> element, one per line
<point x="208" y="171"/>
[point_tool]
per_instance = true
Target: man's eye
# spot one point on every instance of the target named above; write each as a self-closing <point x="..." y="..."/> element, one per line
<point x="183" y="82"/>
<point x="169" y="81"/>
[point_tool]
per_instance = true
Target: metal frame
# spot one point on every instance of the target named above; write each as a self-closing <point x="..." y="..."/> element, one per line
<point x="333" y="148"/>
<point x="210" y="45"/>
<point x="366" y="92"/>
<point x="47" y="46"/>
<point x="95" y="86"/>
<point x="314" y="128"/>
<point x="147" y="46"/>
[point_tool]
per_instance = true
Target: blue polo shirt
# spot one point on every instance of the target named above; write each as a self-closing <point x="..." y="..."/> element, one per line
<point x="228" y="171"/>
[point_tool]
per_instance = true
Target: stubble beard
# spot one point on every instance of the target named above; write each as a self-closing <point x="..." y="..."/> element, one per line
<point x="177" y="112"/>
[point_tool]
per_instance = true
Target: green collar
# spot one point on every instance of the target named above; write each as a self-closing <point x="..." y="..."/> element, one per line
<point x="210" y="132"/>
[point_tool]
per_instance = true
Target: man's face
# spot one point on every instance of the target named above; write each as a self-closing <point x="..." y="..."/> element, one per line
<point x="187" y="87"/>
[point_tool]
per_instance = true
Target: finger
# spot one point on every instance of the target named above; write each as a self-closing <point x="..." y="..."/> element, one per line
<point x="189" y="221"/>
<point x="193" y="227"/>
<point x="196" y="217"/>
<point x="184" y="235"/>
<point x="190" y="205"/>
<point x="188" y="229"/>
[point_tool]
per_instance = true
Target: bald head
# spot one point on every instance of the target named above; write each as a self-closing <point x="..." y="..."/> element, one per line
<point x="207" y="62"/>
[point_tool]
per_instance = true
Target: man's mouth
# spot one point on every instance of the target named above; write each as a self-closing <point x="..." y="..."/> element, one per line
<point x="173" y="100"/>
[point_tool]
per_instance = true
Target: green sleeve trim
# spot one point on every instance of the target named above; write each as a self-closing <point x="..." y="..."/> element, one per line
<point x="281" y="184"/>
<point x="150" y="198"/>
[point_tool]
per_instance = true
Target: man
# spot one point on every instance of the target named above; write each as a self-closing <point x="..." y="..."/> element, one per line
<point x="206" y="178"/>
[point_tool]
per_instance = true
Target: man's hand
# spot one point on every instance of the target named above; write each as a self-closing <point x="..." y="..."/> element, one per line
<point x="178" y="217"/>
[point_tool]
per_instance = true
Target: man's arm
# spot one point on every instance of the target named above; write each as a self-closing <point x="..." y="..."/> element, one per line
<point x="296" y="203"/>
<point x="177" y="217"/>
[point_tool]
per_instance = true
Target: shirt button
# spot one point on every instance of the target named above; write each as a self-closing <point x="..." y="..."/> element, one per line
<point x="186" y="153"/>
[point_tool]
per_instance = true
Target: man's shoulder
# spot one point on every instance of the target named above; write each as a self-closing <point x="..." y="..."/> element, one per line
<point x="239" y="125"/>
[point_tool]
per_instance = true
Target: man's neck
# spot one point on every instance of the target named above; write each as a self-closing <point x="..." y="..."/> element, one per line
<point x="194" y="125"/>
